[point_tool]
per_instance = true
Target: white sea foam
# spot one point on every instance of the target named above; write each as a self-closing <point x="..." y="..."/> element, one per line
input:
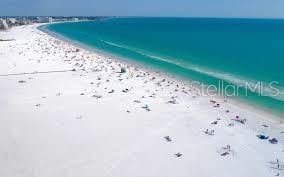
<point x="236" y="80"/>
<point x="113" y="44"/>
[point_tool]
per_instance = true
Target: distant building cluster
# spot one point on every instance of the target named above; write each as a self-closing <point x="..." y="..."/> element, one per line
<point x="3" y="24"/>
<point x="8" y="22"/>
<point x="44" y="20"/>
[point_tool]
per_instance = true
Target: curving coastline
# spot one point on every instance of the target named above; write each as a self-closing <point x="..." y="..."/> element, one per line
<point x="98" y="121"/>
<point x="186" y="70"/>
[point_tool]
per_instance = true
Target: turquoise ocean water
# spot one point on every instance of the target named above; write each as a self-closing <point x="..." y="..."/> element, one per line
<point x="237" y="51"/>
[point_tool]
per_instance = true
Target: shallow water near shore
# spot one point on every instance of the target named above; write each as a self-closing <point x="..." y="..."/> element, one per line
<point x="212" y="51"/>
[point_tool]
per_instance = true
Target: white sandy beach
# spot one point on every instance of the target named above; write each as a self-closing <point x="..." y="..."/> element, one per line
<point x="94" y="122"/>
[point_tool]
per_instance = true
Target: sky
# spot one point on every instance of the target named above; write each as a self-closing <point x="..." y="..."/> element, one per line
<point x="160" y="8"/>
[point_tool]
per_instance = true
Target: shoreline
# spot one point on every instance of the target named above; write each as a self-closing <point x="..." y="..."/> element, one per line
<point x="248" y="105"/>
<point x="96" y="120"/>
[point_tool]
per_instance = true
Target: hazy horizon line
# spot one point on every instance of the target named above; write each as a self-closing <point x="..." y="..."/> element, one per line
<point x="118" y="16"/>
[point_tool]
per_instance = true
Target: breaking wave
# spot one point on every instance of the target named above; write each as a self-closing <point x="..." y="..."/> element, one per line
<point x="233" y="79"/>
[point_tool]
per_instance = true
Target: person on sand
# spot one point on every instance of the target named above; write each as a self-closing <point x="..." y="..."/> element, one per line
<point x="225" y="150"/>
<point x="211" y="132"/>
<point x="178" y="154"/>
<point x="168" y="138"/>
